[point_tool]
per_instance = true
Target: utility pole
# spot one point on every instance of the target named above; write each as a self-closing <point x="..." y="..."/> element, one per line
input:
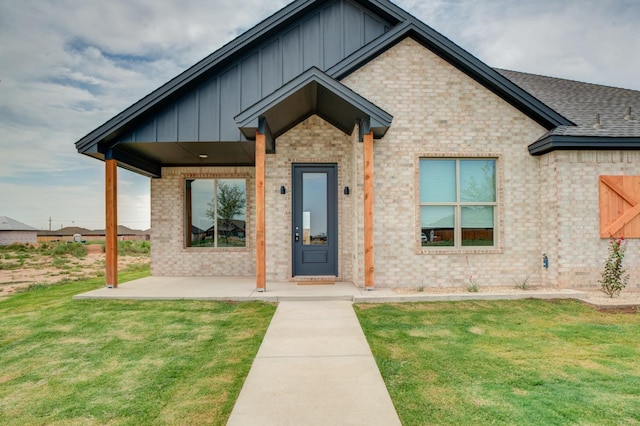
<point x="49" y="223"/>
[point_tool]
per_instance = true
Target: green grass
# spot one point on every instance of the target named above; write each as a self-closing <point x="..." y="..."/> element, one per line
<point x="507" y="362"/>
<point x="71" y="362"/>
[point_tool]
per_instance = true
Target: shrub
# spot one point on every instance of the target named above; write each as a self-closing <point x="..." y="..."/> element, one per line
<point x="75" y="249"/>
<point x="79" y="251"/>
<point x="522" y="284"/>
<point x="129" y="247"/>
<point x="474" y="286"/>
<point x="61" y="262"/>
<point x="614" y="276"/>
<point x="17" y="247"/>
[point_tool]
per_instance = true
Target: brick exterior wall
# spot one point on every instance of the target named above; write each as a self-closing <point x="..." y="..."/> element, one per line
<point x="439" y="111"/>
<point x="546" y="204"/>
<point x="169" y="254"/>
<point x="577" y="253"/>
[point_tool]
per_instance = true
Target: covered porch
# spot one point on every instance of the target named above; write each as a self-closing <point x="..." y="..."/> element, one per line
<point x="312" y="93"/>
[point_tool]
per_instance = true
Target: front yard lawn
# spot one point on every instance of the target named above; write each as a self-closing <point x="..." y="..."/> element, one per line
<point x="70" y="362"/>
<point x="507" y="362"/>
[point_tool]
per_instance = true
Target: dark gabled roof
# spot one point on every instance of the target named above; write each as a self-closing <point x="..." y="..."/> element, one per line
<point x="66" y="231"/>
<point x="8" y="224"/>
<point x="313" y="92"/>
<point x="460" y="58"/>
<point x="401" y="24"/>
<point x="618" y="111"/>
<point x="111" y="129"/>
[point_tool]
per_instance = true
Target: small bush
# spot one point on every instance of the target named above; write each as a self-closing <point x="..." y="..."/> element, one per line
<point x="522" y="284"/>
<point x="32" y="287"/>
<point x="614" y="276"/>
<point x="129" y="247"/>
<point x="17" y="247"/>
<point x="473" y="286"/>
<point x="60" y="262"/>
<point x="78" y="250"/>
<point x="10" y="266"/>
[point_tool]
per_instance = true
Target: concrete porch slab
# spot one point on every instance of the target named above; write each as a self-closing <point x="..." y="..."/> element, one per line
<point x="232" y="288"/>
<point x="242" y="288"/>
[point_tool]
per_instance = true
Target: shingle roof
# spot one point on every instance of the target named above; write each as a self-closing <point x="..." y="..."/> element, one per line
<point x="8" y="224"/>
<point x="582" y="102"/>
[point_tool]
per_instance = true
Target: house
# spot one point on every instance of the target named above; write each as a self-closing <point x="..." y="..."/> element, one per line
<point x="76" y="233"/>
<point x="12" y="231"/>
<point x="341" y="131"/>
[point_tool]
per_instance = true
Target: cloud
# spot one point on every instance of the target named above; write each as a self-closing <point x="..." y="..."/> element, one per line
<point x="74" y="201"/>
<point x="586" y="40"/>
<point x="68" y="66"/>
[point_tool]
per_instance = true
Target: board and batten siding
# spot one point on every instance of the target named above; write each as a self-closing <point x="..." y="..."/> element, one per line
<point x="320" y="40"/>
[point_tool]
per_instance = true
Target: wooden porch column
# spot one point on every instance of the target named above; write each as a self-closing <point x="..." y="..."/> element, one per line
<point x="368" y="210"/>
<point x="111" y="226"/>
<point x="261" y="268"/>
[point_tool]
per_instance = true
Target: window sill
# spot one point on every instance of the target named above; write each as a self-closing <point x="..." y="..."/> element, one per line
<point x="216" y="249"/>
<point x="475" y="250"/>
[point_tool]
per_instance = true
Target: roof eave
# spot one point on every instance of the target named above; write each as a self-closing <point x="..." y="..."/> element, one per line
<point x="574" y="143"/>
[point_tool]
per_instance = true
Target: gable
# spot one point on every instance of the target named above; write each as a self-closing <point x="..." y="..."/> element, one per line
<point x="321" y="38"/>
<point x="440" y="98"/>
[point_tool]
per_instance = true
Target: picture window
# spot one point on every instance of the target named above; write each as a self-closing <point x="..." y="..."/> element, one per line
<point x="457" y="202"/>
<point x="216" y="213"/>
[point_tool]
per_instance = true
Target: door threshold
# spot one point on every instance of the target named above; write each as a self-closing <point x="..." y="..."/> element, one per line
<point x="330" y="280"/>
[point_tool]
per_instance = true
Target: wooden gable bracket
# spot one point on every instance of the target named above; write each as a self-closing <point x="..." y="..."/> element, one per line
<point x="619" y="206"/>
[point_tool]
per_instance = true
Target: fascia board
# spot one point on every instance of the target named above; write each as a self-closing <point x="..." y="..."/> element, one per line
<point x="562" y="142"/>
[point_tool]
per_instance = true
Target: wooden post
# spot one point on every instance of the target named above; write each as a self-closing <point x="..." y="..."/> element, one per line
<point x="261" y="268"/>
<point x="368" y="211"/>
<point x="111" y="217"/>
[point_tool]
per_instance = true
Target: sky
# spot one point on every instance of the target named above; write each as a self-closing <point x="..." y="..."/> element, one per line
<point x="67" y="66"/>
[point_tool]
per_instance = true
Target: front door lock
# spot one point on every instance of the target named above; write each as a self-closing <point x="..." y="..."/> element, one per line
<point x="297" y="237"/>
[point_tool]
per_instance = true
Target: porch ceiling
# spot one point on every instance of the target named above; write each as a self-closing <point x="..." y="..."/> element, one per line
<point x="312" y="92"/>
<point x="183" y="154"/>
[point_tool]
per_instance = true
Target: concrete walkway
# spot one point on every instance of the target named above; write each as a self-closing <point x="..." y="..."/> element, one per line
<point x="314" y="367"/>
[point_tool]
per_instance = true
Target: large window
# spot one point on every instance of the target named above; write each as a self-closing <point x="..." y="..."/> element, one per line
<point x="457" y="202"/>
<point x="216" y="213"/>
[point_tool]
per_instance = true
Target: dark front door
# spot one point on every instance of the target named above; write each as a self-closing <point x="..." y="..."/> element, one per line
<point x="315" y="219"/>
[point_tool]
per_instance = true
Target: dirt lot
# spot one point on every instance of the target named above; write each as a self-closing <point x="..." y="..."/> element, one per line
<point x="19" y="269"/>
